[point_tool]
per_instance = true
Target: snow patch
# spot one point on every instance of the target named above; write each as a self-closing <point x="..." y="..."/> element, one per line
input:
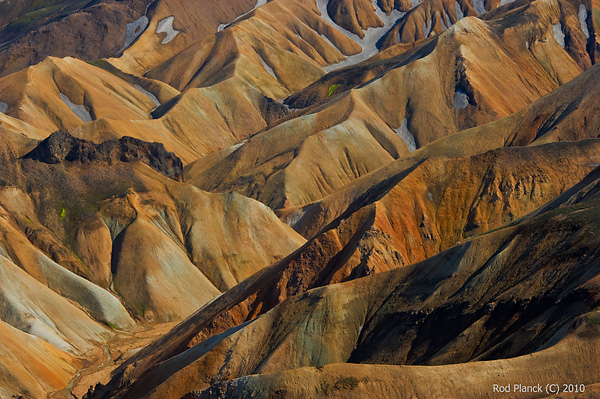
<point x="3" y="107"/>
<point x="287" y="107"/>
<point x="461" y="100"/>
<point x="431" y="196"/>
<point x="78" y="110"/>
<point x="406" y="136"/>
<point x="527" y="45"/>
<point x="558" y="34"/>
<point x="267" y="67"/>
<point x="448" y="20"/>
<point x="505" y="2"/>
<point x="583" y="15"/>
<point x="148" y="94"/>
<point x="427" y="27"/>
<point x="459" y="12"/>
<point x="166" y="26"/>
<point x="133" y="30"/>
<point x="479" y="7"/>
<point x="368" y="43"/>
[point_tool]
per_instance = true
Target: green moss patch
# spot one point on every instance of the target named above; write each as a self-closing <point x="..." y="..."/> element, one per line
<point x="332" y="89"/>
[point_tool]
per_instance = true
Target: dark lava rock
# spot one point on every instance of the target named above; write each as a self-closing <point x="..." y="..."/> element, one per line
<point x="61" y="146"/>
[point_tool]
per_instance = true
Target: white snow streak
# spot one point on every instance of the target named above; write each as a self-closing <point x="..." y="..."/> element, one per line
<point x="448" y="20"/>
<point x="134" y="29"/>
<point x="368" y="44"/>
<point x="78" y="110"/>
<point x="151" y="96"/>
<point x="293" y="218"/>
<point x="427" y="27"/>
<point x="505" y="2"/>
<point x="267" y="67"/>
<point x="583" y="20"/>
<point x="166" y="26"/>
<point x="287" y="107"/>
<point x="406" y="136"/>
<point x="558" y="34"/>
<point x="479" y="7"/>
<point x="3" y="107"/>
<point x="459" y="12"/>
<point x="461" y="100"/>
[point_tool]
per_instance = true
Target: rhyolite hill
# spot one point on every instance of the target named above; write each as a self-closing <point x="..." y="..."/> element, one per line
<point x="298" y="198"/>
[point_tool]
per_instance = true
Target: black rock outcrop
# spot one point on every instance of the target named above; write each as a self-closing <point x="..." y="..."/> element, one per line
<point x="61" y="146"/>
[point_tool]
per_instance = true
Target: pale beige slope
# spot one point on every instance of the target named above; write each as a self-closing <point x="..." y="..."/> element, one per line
<point x="168" y="286"/>
<point x="31" y="307"/>
<point x="16" y="127"/>
<point x="167" y="263"/>
<point x="34" y="95"/>
<point x="14" y="244"/>
<point x="190" y="255"/>
<point x="163" y="248"/>
<point x="30" y="366"/>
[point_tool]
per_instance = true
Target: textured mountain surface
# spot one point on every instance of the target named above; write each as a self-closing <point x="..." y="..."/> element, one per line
<point x="84" y="29"/>
<point x="402" y="104"/>
<point x="298" y="198"/>
<point x="486" y="298"/>
<point x="61" y="146"/>
<point x="31" y="366"/>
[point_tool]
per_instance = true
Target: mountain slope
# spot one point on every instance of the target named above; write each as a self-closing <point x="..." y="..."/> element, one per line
<point x="30" y="366"/>
<point x="59" y="28"/>
<point x="502" y="304"/>
<point x="129" y="228"/>
<point x="298" y="198"/>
